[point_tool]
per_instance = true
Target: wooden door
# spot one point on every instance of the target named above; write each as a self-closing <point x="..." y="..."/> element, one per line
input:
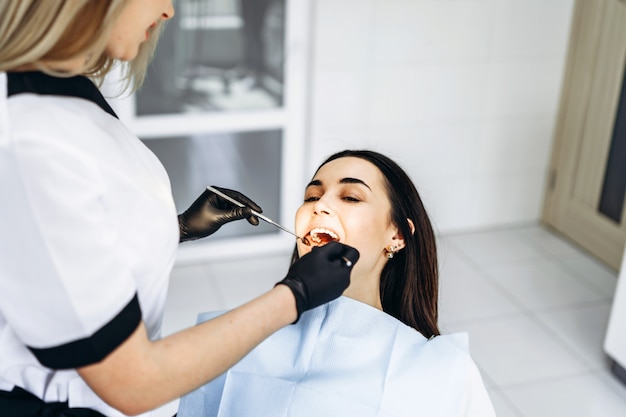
<point x="586" y="143"/>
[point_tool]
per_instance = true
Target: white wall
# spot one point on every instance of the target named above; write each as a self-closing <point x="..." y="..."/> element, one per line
<point x="463" y="93"/>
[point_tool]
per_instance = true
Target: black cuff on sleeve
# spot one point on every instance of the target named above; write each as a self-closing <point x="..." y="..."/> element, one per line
<point x="95" y="348"/>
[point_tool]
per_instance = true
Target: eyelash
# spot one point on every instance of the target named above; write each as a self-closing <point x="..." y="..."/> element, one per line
<point x="349" y="199"/>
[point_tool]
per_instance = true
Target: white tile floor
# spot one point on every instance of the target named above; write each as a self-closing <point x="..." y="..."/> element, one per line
<point x="535" y="306"/>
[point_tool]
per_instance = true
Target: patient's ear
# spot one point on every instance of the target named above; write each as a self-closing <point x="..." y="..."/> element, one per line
<point x="411" y="225"/>
<point x="398" y="238"/>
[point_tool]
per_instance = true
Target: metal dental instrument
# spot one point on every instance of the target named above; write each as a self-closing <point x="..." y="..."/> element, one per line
<point x="256" y="213"/>
<point x="265" y="218"/>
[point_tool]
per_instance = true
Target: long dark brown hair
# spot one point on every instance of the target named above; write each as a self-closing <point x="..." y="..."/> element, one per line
<point x="409" y="283"/>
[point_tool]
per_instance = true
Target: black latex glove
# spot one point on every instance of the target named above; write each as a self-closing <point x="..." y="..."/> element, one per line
<point x="210" y="212"/>
<point x="321" y="275"/>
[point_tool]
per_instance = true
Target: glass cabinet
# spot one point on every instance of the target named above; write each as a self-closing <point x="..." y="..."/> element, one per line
<point x="224" y="104"/>
<point x="218" y="56"/>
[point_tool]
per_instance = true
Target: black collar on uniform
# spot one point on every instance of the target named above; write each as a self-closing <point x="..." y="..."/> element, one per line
<point x="40" y="83"/>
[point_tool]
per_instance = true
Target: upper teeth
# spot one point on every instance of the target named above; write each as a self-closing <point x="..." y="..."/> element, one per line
<point x="320" y="230"/>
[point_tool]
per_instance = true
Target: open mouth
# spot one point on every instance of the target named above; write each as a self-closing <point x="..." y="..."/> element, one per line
<point x="321" y="236"/>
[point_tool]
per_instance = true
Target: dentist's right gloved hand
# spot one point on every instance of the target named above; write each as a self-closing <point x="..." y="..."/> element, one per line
<point x="321" y="275"/>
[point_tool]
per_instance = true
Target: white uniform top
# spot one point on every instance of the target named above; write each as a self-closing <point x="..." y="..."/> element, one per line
<point x="88" y="236"/>
<point x="346" y="358"/>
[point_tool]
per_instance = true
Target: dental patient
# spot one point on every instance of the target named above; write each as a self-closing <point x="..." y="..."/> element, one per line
<point x="377" y="350"/>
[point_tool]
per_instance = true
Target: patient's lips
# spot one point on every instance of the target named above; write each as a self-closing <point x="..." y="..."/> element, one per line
<point x="321" y="236"/>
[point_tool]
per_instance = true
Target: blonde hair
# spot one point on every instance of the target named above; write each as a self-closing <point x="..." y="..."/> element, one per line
<point x="35" y="31"/>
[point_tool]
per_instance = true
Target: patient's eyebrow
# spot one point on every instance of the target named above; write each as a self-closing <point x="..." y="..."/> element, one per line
<point x="347" y="180"/>
<point x="314" y="183"/>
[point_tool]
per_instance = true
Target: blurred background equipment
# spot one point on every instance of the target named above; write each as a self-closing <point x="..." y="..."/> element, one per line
<point x="218" y="55"/>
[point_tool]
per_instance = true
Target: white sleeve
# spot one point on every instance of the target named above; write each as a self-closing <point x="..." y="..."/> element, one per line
<point x="64" y="284"/>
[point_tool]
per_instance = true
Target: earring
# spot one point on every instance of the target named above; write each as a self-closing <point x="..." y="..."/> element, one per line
<point x="391" y="250"/>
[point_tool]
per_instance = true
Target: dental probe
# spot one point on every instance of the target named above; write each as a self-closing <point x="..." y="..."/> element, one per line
<point x="267" y="219"/>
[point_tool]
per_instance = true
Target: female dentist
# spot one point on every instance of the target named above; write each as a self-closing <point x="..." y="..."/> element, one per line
<point x="89" y="233"/>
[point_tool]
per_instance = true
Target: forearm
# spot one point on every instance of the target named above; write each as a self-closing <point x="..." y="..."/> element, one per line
<point x="201" y="353"/>
<point x="141" y="375"/>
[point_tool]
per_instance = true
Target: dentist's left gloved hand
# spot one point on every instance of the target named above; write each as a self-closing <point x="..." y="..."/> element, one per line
<point x="210" y="212"/>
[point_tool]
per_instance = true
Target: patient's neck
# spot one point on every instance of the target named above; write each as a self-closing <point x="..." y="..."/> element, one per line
<point x="365" y="292"/>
